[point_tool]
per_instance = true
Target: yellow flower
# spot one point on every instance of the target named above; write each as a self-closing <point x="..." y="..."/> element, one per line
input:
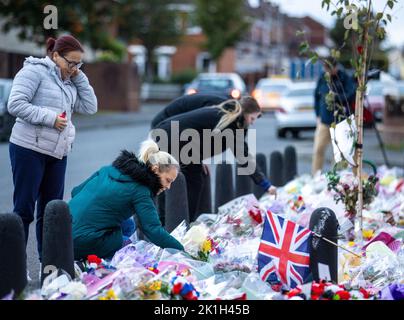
<point x="206" y="246"/>
<point x="367" y="234"/>
<point x="110" y="295"/>
<point x="351" y="243"/>
<point x="155" y="286"/>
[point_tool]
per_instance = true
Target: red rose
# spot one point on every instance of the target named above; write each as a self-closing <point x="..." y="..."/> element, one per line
<point x="177" y="288"/>
<point x="63" y="115"/>
<point x="92" y="258"/>
<point x="256" y="216"/>
<point x="360" y="50"/>
<point x="343" y="295"/>
<point x="365" y="294"/>
<point x="294" y="292"/>
<point x="317" y="289"/>
<point x="190" y="296"/>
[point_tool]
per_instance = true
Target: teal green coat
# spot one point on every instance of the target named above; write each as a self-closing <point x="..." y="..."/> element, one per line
<point x="101" y="203"/>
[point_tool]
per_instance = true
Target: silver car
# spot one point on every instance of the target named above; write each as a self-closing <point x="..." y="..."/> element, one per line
<point x="296" y="112"/>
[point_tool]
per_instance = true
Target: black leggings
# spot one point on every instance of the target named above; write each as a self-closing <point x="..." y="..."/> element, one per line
<point x="195" y="178"/>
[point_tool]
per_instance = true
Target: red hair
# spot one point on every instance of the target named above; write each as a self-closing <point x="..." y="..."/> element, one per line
<point x="63" y="45"/>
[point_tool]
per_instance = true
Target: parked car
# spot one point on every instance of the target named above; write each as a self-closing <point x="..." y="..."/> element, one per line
<point x="296" y="111"/>
<point x="268" y="92"/>
<point x="6" y="119"/>
<point x="229" y="85"/>
<point x="377" y="92"/>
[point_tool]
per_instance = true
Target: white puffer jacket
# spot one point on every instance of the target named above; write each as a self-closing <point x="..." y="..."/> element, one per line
<point x="37" y="96"/>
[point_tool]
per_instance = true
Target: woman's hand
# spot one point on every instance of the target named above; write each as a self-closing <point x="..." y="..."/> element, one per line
<point x="272" y="191"/>
<point x="60" y="123"/>
<point x="75" y="73"/>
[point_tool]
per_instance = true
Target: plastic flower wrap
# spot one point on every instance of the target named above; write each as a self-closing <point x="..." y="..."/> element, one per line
<point x="225" y="286"/>
<point x="167" y="285"/>
<point x="141" y="253"/>
<point x="127" y="282"/>
<point x="379" y="268"/>
<point x="183" y="264"/>
<point x="256" y="289"/>
<point x="237" y="255"/>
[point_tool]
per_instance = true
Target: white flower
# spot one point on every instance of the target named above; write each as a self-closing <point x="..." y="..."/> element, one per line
<point x="195" y="237"/>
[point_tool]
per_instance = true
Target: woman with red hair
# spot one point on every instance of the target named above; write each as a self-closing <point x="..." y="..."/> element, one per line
<point x="44" y="95"/>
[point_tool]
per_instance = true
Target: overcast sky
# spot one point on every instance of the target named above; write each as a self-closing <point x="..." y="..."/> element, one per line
<point x="298" y="8"/>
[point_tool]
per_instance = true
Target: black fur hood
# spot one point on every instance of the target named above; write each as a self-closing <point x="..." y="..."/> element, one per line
<point x="128" y="164"/>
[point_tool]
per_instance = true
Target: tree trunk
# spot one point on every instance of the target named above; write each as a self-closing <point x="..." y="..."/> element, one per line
<point x="360" y="92"/>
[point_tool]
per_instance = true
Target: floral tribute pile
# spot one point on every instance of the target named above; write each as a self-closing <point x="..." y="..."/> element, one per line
<point x="220" y="258"/>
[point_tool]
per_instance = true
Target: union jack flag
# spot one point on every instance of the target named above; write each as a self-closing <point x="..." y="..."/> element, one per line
<point x="283" y="251"/>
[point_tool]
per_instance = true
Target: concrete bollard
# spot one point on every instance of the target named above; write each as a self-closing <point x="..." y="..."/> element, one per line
<point x="205" y="202"/>
<point x="262" y="164"/>
<point x="224" y="190"/>
<point x="243" y="184"/>
<point x="13" y="257"/>
<point x="289" y="164"/>
<point x="57" y="248"/>
<point x="324" y="222"/>
<point x="276" y="169"/>
<point x="176" y="201"/>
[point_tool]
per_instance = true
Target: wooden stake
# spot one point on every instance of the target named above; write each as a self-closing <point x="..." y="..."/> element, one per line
<point x="335" y="244"/>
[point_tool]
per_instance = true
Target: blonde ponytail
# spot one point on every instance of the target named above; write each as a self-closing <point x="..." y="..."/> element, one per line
<point x="229" y="115"/>
<point x="150" y="154"/>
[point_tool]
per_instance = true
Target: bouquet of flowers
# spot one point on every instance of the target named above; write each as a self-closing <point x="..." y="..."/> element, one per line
<point x="346" y="185"/>
<point x="199" y="244"/>
<point x="324" y="290"/>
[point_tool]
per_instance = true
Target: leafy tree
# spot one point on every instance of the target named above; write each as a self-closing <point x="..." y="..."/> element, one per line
<point x="223" y="23"/>
<point x="89" y="21"/>
<point x="337" y="34"/>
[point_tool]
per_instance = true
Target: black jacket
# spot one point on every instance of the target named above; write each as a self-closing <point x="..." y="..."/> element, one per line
<point x="184" y="104"/>
<point x="207" y="118"/>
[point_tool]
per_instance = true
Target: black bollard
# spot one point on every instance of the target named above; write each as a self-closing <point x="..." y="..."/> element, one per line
<point x="13" y="257"/>
<point x="262" y="164"/>
<point x="289" y="164"/>
<point x="276" y="169"/>
<point x="324" y="222"/>
<point x="57" y="247"/>
<point x="243" y="184"/>
<point x="205" y="202"/>
<point x="176" y="199"/>
<point x="224" y="189"/>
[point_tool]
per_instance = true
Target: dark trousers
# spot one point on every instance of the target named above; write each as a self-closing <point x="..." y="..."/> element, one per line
<point x="37" y="178"/>
<point x="195" y="178"/>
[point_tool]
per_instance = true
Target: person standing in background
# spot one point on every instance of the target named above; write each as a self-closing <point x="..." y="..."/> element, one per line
<point x="343" y="88"/>
<point x="44" y="95"/>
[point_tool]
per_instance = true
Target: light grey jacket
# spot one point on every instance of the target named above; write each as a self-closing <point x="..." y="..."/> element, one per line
<point x="37" y="96"/>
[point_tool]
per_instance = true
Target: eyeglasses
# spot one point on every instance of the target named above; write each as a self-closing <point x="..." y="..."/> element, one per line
<point x="72" y="64"/>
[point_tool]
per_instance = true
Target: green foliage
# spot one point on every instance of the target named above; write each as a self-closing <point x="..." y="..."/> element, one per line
<point x="86" y="20"/>
<point x="99" y="23"/>
<point x="344" y="38"/>
<point x="223" y="22"/>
